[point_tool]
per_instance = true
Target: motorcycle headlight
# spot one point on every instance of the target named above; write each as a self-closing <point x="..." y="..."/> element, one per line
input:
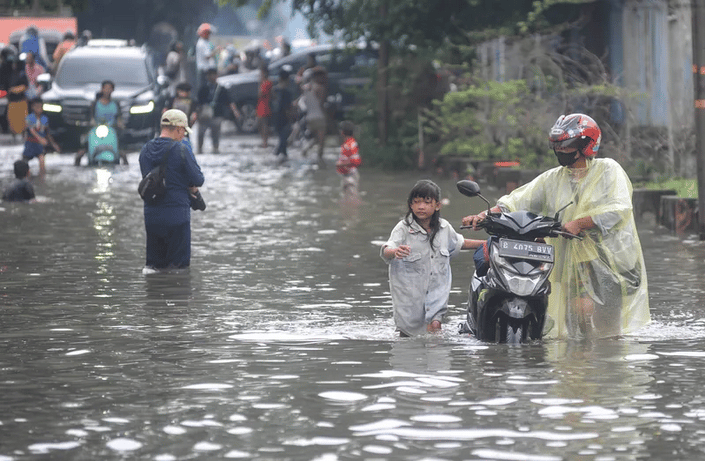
<point x="102" y="131"/>
<point x="143" y="109"/>
<point x="48" y="107"/>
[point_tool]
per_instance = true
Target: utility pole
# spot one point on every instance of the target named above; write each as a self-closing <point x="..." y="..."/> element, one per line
<point x="698" y="15"/>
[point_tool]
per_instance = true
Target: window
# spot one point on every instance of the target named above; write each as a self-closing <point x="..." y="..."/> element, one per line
<point x="124" y="71"/>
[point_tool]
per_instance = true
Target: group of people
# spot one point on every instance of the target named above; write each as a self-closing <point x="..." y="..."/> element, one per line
<point x="291" y="117"/>
<point x="600" y="277"/>
<point x="598" y="280"/>
<point x="20" y="71"/>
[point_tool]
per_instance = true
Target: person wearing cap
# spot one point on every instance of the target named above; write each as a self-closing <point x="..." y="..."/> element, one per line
<point x="168" y="223"/>
<point x="206" y="52"/>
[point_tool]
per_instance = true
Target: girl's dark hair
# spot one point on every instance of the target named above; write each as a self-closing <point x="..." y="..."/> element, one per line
<point x="99" y="94"/>
<point x="425" y="189"/>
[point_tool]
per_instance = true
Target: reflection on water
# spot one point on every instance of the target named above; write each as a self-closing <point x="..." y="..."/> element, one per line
<point x="278" y="343"/>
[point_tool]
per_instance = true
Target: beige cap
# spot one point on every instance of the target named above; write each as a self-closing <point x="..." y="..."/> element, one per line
<point x="175" y="117"/>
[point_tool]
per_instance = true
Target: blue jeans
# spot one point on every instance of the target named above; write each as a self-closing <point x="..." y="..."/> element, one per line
<point x="168" y="243"/>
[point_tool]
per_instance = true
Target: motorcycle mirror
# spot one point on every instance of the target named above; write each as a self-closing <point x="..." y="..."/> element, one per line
<point x="559" y="211"/>
<point x="471" y="189"/>
<point x="468" y="188"/>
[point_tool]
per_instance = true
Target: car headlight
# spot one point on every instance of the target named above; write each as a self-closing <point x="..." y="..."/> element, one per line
<point x="48" y="107"/>
<point x="144" y="109"/>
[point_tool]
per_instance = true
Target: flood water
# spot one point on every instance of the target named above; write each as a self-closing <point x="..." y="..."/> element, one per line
<point x="279" y="344"/>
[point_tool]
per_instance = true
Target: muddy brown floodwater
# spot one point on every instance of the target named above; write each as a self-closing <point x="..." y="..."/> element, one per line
<point x="279" y="342"/>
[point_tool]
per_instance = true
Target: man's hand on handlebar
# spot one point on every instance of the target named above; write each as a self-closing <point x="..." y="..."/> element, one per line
<point x="474" y="220"/>
<point x="572" y="227"/>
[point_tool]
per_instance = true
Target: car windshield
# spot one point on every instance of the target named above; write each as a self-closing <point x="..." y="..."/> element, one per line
<point x="125" y="71"/>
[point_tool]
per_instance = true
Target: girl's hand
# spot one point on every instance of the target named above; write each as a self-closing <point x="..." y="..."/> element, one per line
<point x="402" y="251"/>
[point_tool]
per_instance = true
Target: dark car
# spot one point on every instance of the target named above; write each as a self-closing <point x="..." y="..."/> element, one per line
<point x="348" y="68"/>
<point x="71" y="93"/>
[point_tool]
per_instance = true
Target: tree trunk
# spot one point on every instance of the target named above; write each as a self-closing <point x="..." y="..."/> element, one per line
<point x="383" y="85"/>
<point x="35" y="7"/>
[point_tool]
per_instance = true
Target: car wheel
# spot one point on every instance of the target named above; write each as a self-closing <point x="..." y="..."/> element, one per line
<point x="247" y="123"/>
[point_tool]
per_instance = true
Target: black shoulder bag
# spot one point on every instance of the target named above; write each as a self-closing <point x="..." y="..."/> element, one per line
<point x="152" y="188"/>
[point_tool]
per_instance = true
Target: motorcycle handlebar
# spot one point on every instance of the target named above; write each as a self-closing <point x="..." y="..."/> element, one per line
<point x="567" y="235"/>
<point x="554" y="233"/>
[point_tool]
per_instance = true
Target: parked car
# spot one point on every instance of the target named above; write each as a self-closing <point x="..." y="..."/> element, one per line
<point x="348" y="68"/>
<point x="138" y="91"/>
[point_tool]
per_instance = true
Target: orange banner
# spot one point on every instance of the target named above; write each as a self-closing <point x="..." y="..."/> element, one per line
<point x="10" y="24"/>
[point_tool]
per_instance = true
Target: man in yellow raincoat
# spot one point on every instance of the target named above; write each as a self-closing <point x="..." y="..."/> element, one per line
<point x="598" y="284"/>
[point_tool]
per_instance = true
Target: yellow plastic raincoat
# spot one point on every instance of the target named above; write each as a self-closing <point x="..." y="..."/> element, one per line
<point x="598" y="284"/>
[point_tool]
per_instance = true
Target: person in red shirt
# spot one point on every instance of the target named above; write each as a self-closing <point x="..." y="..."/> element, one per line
<point x="264" y="100"/>
<point x="348" y="161"/>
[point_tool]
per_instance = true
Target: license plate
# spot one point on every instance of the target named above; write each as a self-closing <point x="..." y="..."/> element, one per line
<point x="525" y="250"/>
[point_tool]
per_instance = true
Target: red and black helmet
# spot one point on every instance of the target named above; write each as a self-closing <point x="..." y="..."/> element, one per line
<point x="576" y="130"/>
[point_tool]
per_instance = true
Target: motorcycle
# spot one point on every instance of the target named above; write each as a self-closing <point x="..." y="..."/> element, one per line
<point x="103" y="145"/>
<point x="508" y="304"/>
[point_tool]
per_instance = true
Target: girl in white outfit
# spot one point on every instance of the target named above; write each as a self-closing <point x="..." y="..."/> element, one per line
<point x="418" y="253"/>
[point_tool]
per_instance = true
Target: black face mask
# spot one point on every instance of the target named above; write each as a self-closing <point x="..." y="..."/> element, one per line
<point x="566" y="159"/>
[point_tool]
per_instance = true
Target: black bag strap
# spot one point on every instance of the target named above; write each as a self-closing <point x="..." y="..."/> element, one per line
<point x="165" y="157"/>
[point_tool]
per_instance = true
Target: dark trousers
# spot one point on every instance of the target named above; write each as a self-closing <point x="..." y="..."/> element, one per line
<point x="283" y="130"/>
<point x="168" y="245"/>
<point x="212" y="124"/>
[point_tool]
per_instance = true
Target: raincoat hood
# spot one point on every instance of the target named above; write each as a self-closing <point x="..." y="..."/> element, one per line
<point x="598" y="284"/>
<point x="154" y="150"/>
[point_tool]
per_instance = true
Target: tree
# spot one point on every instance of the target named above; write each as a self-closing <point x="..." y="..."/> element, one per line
<point x="399" y="25"/>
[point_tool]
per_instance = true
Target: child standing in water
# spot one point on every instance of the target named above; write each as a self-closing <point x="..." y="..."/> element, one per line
<point x="38" y="135"/>
<point x="418" y="253"/>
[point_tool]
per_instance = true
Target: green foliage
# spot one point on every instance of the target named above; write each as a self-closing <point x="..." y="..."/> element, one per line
<point x="490" y="121"/>
<point x="427" y="23"/>
<point x="685" y="188"/>
<point x="409" y="89"/>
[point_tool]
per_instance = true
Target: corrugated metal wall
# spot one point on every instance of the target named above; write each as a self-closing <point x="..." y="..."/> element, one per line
<point x="657" y="60"/>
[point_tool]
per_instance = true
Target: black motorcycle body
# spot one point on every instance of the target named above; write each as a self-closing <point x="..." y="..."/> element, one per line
<point x="508" y="304"/>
